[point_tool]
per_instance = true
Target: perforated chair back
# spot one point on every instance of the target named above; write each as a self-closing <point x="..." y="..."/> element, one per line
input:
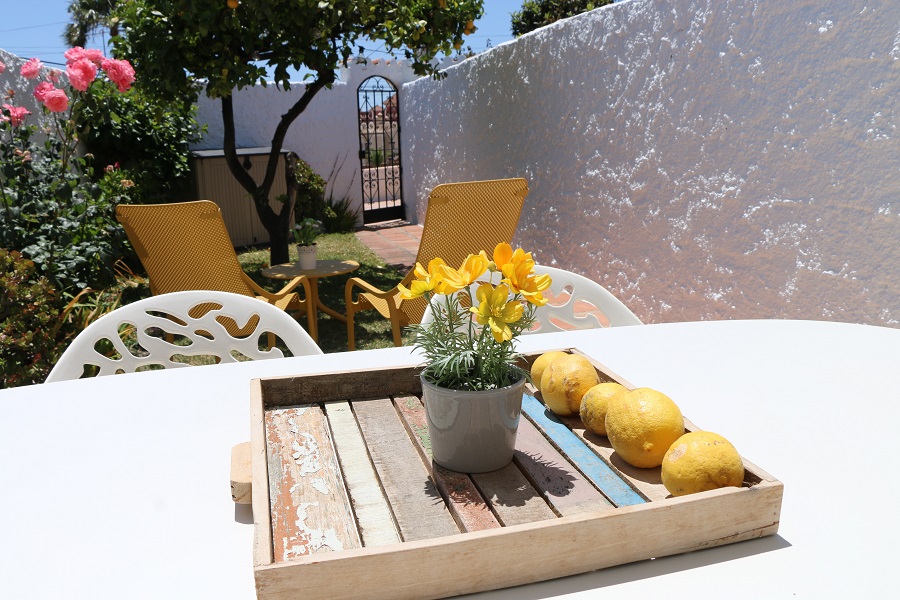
<point x="197" y="317"/>
<point x="460" y="219"/>
<point x="575" y="302"/>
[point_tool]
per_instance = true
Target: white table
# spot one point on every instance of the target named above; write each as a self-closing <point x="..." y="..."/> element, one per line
<point x="117" y="487"/>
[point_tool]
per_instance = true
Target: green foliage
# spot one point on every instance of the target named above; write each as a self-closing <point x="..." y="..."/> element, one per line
<point x="538" y="13"/>
<point x="173" y="42"/>
<point x="459" y="354"/>
<point x="310" y="189"/>
<point x="306" y="231"/>
<point x="339" y="217"/>
<point x="53" y="212"/>
<point x="375" y="157"/>
<point x="29" y="322"/>
<point x="148" y="137"/>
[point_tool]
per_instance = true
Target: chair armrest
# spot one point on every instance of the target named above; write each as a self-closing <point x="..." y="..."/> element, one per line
<point x="301" y="281"/>
<point x="367" y="288"/>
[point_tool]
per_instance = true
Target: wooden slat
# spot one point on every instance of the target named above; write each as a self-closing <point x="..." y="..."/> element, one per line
<point x="463" y="499"/>
<point x="646" y="481"/>
<point x="418" y="508"/>
<point x="310" y="509"/>
<point x="373" y="515"/>
<point x="259" y="489"/>
<point x="512" y="497"/>
<point x="327" y="387"/>
<point x="561" y="484"/>
<point x="594" y="468"/>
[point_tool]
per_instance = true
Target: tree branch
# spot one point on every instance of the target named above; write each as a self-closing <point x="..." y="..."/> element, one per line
<point x="243" y="177"/>
<point x="323" y="78"/>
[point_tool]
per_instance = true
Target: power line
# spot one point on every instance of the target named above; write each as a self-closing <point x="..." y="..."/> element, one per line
<point x="32" y="27"/>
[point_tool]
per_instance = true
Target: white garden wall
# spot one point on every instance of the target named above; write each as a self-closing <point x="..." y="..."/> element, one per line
<point x="704" y="159"/>
<point x="326" y="135"/>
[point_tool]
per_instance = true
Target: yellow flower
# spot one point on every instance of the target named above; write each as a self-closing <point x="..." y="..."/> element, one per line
<point x="496" y="311"/>
<point x="456" y="279"/>
<point x="505" y="257"/>
<point x="425" y="281"/>
<point x="521" y="280"/>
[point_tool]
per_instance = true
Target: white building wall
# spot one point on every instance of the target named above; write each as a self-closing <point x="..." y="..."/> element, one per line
<point x="325" y="135"/>
<point x="704" y="159"/>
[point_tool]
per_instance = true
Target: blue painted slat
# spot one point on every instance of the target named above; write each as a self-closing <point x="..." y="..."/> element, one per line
<point x="594" y="467"/>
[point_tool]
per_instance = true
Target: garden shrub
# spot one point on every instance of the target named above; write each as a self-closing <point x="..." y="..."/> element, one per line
<point x="29" y="322"/>
<point x="147" y="138"/>
<point x="339" y="217"/>
<point x="310" y="189"/>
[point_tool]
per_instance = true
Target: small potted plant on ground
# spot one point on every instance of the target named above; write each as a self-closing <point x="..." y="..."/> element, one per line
<point x="471" y="384"/>
<point x="305" y="234"/>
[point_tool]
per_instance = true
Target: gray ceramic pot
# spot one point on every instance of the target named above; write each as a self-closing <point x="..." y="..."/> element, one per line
<point x="473" y="432"/>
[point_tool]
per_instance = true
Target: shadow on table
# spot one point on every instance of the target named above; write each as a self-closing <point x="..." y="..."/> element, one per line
<point x="636" y="571"/>
<point x="243" y="513"/>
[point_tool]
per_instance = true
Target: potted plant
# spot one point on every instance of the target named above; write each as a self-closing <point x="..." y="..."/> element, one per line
<point x="305" y="234"/>
<point x="471" y="383"/>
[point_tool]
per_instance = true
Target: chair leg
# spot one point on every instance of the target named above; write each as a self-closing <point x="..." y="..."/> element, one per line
<point x="395" y="330"/>
<point x="351" y="338"/>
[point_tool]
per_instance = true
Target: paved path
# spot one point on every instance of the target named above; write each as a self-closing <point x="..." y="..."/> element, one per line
<point x="396" y="243"/>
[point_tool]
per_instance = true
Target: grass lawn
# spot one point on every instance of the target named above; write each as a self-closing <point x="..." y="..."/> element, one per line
<point x="372" y="331"/>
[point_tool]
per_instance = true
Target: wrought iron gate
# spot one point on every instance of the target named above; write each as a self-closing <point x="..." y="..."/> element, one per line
<point x="379" y="150"/>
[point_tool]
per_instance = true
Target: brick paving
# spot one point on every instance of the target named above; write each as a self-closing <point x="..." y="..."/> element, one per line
<point x="396" y="242"/>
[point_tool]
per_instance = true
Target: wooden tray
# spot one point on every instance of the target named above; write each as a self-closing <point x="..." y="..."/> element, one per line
<point x="347" y="502"/>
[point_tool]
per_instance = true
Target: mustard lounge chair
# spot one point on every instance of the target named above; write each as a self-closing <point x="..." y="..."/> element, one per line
<point x="461" y="219"/>
<point x="186" y="246"/>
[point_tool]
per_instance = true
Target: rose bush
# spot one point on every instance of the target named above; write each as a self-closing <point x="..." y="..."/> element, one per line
<point x="51" y="207"/>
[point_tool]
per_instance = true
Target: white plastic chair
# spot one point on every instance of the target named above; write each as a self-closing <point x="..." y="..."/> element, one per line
<point x="198" y="316"/>
<point x="575" y="302"/>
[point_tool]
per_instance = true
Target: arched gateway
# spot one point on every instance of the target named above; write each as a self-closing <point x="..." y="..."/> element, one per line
<point x="379" y="150"/>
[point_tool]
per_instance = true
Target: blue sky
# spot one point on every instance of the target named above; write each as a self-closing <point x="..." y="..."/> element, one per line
<point x="34" y="28"/>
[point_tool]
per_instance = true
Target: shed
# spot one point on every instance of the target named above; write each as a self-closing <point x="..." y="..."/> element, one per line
<point x="215" y="182"/>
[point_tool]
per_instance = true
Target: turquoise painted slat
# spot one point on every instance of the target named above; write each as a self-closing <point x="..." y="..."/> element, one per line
<point x="594" y="467"/>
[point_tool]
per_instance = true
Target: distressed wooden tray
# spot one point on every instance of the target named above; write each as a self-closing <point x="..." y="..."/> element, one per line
<point x="347" y="502"/>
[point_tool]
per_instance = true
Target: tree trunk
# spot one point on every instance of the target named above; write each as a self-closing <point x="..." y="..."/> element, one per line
<point x="277" y="224"/>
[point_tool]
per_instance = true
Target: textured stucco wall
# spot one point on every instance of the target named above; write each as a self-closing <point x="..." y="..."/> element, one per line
<point x="703" y="159"/>
<point x="326" y="135"/>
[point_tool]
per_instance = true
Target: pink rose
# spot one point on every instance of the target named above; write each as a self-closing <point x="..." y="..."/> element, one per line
<point x="56" y="100"/>
<point x="78" y="53"/>
<point x="31" y="69"/>
<point x="53" y="76"/>
<point x="2" y="66"/>
<point x="120" y="72"/>
<point x="41" y="89"/>
<point x="94" y="55"/>
<point x="81" y="74"/>
<point x="17" y="114"/>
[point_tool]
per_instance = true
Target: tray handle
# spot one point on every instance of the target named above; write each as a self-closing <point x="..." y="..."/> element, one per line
<point x="241" y="474"/>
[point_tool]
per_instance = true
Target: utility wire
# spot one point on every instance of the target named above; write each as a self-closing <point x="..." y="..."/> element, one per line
<point x="32" y="27"/>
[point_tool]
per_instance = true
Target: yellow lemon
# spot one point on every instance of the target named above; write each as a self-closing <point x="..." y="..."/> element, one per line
<point x="541" y="362"/>
<point x="700" y="461"/>
<point x="641" y="425"/>
<point x="594" y="405"/>
<point x="564" y="382"/>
